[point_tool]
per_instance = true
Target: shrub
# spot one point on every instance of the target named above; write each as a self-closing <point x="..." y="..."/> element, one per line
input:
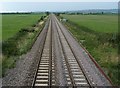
<point x="30" y="29"/>
<point x="10" y="47"/>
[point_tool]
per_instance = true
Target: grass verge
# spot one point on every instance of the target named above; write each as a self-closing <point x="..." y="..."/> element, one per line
<point x="12" y="23"/>
<point x="102" y="46"/>
<point x="19" y="44"/>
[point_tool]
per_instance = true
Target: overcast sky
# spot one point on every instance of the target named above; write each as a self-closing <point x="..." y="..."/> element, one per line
<point x="55" y="6"/>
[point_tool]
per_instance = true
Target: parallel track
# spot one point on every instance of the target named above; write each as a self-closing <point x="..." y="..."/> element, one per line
<point x="74" y="73"/>
<point x="45" y="71"/>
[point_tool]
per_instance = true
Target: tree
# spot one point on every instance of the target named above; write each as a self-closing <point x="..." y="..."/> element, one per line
<point x="47" y="13"/>
<point x="102" y="12"/>
<point x="58" y="14"/>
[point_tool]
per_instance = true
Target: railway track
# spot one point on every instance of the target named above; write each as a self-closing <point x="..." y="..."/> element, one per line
<point x="73" y="71"/>
<point x="45" y="71"/>
<point x="59" y="65"/>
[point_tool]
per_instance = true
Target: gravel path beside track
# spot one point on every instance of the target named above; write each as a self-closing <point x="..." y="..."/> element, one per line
<point x="56" y="59"/>
<point x="22" y="74"/>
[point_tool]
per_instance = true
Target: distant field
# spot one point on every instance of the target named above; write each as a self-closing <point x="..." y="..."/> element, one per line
<point x="15" y="42"/>
<point x="99" y="23"/>
<point x="0" y="27"/>
<point x="12" y="23"/>
<point x="101" y="42"/>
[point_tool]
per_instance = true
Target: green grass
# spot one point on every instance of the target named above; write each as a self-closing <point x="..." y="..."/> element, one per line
<point x="99" y="23"/>
<point x="0" y="27"/>
<point x="99" y="43"/>
<point x="19" y="36"/>
<point x="12" y="23"/>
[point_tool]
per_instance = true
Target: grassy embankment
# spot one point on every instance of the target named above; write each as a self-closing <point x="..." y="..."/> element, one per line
<point x="99" y="35"/>
<point x="0" y="44"/>
<point x="12" y="23"/>
<point x="19" y="32"/>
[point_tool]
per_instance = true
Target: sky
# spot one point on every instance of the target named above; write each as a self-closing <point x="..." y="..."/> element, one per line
<point x="54" y="6"/>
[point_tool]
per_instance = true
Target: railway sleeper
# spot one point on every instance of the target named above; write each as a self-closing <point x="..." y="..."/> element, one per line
<point x="37" y="84"/>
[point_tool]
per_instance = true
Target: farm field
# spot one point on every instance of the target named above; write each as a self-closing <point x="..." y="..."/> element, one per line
<point x="98" y="34"/>
<point x="99" y="23"/>
<point x="19" y="31"/>
<point x="0" y="27"/>
<point x="12" y="23"/>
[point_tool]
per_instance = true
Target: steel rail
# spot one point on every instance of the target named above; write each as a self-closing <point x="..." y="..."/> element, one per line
<point x="93" y="60"/>
<point x="89" y="82"/>
<point x="34" y="80"/>
<point x="50" y="57"/>
<point x="68" y="65"/>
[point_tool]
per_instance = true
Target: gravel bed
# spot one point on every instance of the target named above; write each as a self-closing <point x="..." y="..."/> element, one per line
<point x="87" y="64"/>
<point x="59" y="66"/>
<point x="23" y="73"/>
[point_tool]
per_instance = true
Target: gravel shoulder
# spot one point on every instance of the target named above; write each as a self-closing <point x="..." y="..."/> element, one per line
<point x="23" y="73"/>
<point x="90" y="69"/>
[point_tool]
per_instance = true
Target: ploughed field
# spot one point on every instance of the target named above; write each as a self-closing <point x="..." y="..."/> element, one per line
<point x="99" y="35"/>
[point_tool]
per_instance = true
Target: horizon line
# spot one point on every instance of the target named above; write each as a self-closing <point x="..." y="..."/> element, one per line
<point x="54" y="10"/>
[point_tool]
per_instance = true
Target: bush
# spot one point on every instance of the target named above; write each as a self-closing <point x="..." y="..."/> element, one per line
<point x="30" y="29"/>
<point x="33" y="25"/>
<point x="10" y="47"/>
<point x="42" y="18"/>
